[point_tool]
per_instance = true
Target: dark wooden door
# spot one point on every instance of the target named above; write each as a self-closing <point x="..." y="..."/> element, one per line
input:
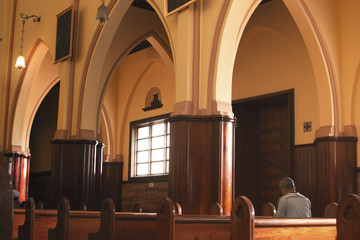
<point x="263" y="140"/>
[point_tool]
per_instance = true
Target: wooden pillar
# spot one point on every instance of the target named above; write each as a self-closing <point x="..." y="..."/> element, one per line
<point x="75" y="172"/>
<point x="112" y="182"/>
<point x="201" y="162"/>
<point x="335" y="170"/>
<point x="6" y="201"/>
<point x="20" y="169"/>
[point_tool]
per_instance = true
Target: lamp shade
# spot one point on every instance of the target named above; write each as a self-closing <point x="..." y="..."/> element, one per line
<point x="102" y="14"/>
<point x="20" y="62"/>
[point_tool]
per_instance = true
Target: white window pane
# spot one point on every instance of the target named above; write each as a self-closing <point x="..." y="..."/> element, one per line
<point x="167" y="153"/>
<point x="143" y="132"/>
<point x="157" y="167"/>
<point x="158" y="129"/>
<point x="158" y="142"/>
<point x="142" y="169"/>
<point x="143" y="145"/>
<point x="157" y="155"/>
<point x="168" y="140"/>
<point x="168" y="128"/>
<point x="167" y="166"/>
<point x="142" y="157"/>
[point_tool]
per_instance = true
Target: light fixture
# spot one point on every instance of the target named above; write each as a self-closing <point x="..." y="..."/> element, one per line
<point x="20" y="61"/>
<point x="102" y="13"/>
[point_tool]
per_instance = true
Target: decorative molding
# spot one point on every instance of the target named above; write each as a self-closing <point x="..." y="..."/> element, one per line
<point x="16" y="149"/>
<point x="201" y="118"/>
<point x="335" y="139"/>
<point x="119" y="158"/>
<point x="75" y="141"/>
<point x="60" y="134"/>
<point x="183" y="108"/>
<point x="86" y="134"/>
<point x="223" y="108"/>
<point x="350" y="131"/>
<point x="325" y="131"/>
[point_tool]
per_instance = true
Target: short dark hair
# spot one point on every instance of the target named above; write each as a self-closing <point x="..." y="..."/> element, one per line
<point x="287" y="183"/>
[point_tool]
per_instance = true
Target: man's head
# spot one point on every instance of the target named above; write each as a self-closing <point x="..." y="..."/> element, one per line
<point x="286" y="185"/>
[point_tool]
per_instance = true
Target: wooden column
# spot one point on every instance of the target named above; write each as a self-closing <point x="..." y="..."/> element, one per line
<point x="335" y="170"/>
<point x="20" y="169"/>
<point x="201" y="162"/>
<point x="112" y="180"/>
<point x="75" y="172"/>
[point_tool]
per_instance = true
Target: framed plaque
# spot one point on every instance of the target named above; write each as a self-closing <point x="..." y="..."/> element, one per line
<point x="64" y="34"/>
<point x="172" y="6"/>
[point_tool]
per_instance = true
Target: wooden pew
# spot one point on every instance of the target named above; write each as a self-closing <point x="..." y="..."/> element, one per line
<point x="186" y="226"/>
<point x="28" y="221"/>
<point x="73" y="224"/>
<point x="25" y="231"/>
<point x="244" y="225"/>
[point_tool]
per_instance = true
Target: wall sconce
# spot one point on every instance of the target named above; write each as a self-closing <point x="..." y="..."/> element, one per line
<point x="102" y="13"/>
<point x="20" y="61"/>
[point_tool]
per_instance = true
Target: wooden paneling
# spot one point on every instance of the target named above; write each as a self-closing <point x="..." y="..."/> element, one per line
<point x="335" y="169"/>
<point x="75" y="173"/>
<point x="201" y="162"/>
<point x="112" y="182"/>
<point x="303" y="171"/>
<point x="40" y="187"/>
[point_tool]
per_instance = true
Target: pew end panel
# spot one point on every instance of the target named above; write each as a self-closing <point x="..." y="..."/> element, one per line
<point x="331" y="210"/>
<point x="178" y="208"/>
<point x="242" y="219"/>
<point x="61" y="231"/>
<point x="348" y="218"/>
<point x="26" y="231"/>
<point x="216" y="209"/>
<point x="165" y="220"/>
<point x="107" y="226"/>
<point x="268" y="210"/>
<point x="18" y="220"/>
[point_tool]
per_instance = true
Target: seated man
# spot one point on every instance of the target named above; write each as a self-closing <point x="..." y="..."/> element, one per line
<point x="292" y="204"/>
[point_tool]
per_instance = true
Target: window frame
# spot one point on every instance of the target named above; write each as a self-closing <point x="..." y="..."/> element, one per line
<point x="134" y="125"/>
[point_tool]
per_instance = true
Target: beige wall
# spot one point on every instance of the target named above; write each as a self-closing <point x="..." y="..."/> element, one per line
<point x="272" y="57"/>
<point x="126" y="94"/>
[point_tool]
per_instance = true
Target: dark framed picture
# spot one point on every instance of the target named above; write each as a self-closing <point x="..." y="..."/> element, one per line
<point x="172" y="6"/>
<point x="64" y="34"/>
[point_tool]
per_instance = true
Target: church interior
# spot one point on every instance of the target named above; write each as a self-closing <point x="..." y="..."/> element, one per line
<point x="201" y="103"/>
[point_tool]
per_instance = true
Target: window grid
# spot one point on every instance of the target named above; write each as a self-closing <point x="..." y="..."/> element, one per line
<point x="150" y="162"/>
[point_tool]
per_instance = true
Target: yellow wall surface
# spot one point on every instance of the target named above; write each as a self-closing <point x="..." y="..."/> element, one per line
<point x="126" y="93"/>
<point x="272" y="57"/>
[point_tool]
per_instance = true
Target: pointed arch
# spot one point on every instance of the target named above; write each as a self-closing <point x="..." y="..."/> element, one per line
<point x="101" y="66"/>
<point x="237" y="17"/>
<point x="35" y="82"/>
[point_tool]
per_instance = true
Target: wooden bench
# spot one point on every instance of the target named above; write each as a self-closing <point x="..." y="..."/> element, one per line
<point x="28" y="221"/>
<point x="245" y="225"/>
<point x="242" y="224"/>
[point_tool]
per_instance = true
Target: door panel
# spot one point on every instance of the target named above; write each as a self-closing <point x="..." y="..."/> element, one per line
<point x="262" y="148"/>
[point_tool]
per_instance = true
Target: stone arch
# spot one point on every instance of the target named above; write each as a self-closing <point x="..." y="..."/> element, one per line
<point x="36" y="81"/>
<point x="237" y="17"/>
<point x="100" y="64"/>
